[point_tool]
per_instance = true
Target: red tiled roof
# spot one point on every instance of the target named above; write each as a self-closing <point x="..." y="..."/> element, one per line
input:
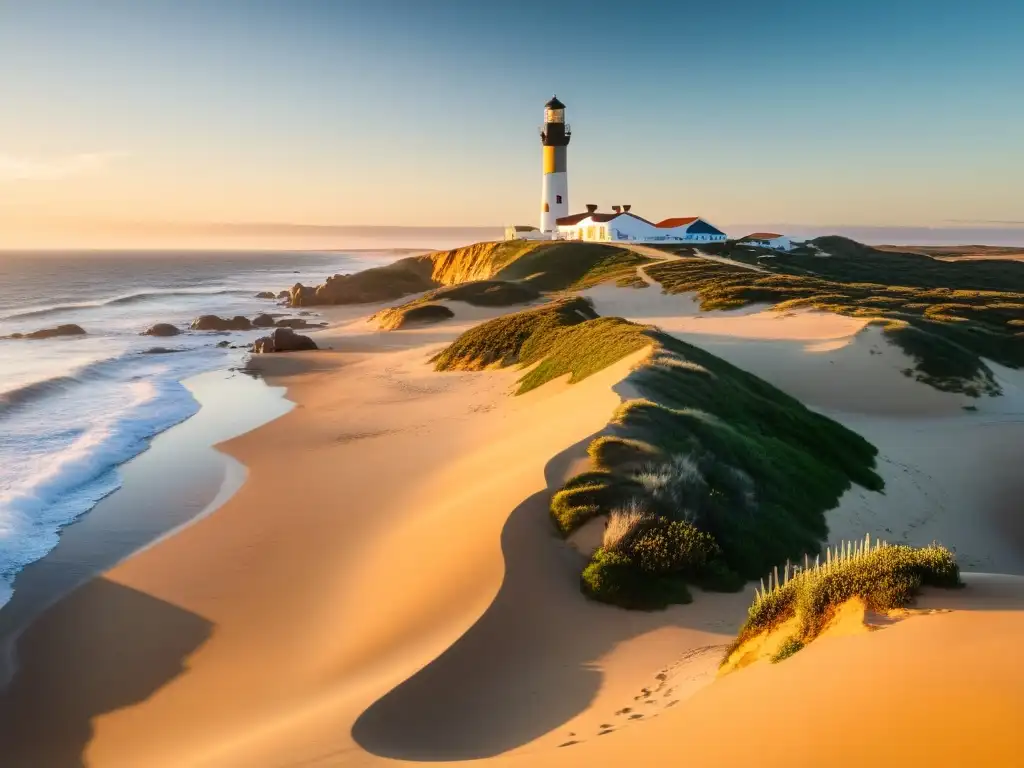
<point x="762" y="236"/>
<point x="679" y="221"/>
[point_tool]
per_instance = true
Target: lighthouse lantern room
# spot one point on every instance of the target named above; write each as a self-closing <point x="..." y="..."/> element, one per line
<point x="554" y="139"/>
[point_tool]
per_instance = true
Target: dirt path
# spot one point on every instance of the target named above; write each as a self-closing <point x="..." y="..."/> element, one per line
<point x="660" y="255"/>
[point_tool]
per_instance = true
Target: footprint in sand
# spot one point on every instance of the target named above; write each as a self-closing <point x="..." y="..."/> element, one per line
<point x="624" y="711"/>
<point x="602" y="733"/>
<point x="568" y="743"/>
<point x="605" y="725"/>
<point x="637" y="716"/>
<point x="672" y="703"/>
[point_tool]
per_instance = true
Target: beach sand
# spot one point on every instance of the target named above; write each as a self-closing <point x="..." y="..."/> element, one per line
<point x="387" y="586"/>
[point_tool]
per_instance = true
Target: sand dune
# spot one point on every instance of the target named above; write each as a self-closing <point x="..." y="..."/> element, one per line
<point x="387" y="587"/>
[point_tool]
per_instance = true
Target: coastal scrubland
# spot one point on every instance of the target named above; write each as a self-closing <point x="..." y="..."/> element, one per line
<point x="880" y="576"/>
<point x="708" y="477"/>
<point x="540" y="266"/>
<point x="845" y="260"/>
<point x="945" y="330"/>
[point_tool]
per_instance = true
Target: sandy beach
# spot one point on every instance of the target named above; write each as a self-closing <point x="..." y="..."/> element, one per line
<point x="387" y="586"/>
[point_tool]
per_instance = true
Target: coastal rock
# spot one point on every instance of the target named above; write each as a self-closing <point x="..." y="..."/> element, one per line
<point x="385" y="283"/>
<point x="265" y="295"/>
<point x="50" y="333"/>
<point x="161" y="329"/>
<point x="263" y="321"/>
<point x="300" y="295"/>
<point x="223" y="344"/>
<point x="214" y="323"/>
<point x="283" y="340"/>
<point x="283" y="294"/>
<point x="160" y="351"/>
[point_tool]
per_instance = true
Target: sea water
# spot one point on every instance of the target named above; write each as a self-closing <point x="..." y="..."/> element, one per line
<point x="73" y="409"/>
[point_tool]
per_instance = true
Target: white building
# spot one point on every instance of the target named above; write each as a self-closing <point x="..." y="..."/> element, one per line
<point x="767" y="240"/>
<point x="524" y="232"/>
<point x="621" y="226"/>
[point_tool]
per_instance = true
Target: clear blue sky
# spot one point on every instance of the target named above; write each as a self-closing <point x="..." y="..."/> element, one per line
<point x="418" y="112"/>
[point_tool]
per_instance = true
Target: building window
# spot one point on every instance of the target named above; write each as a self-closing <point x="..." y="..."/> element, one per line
<point x="558" y="199"/>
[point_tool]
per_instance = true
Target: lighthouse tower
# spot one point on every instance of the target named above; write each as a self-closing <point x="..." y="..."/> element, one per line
<point x="554" y="138"/>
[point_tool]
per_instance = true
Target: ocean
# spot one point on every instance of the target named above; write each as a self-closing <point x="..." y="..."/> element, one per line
<point x="73" y="409"/>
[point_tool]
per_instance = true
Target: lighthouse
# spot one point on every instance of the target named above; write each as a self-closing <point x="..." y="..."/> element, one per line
<point x="554" y="139"/>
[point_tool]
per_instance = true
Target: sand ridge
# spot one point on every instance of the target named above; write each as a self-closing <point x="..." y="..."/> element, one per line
<point x="387" y="586"/>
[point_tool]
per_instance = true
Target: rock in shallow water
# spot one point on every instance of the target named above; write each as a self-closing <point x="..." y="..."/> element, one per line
<point x="283" y="340"/>
<point x="49" y="333"/>
<point x="214" y="323"/>
<point x="161" y="329"/>
<point x="263" y="321"/>
<point x="265" y="295"/>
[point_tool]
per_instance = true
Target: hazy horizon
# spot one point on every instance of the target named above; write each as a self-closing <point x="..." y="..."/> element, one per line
<point x="298" y="237"/>
<point x="145" y="124"/>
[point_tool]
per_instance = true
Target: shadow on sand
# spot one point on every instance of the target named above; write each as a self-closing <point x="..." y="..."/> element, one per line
<point x="527" y="665"/>
<point x="104" y="647"/>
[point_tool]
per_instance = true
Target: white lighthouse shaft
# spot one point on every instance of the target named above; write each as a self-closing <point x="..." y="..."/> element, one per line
<point x="555" y="200"/>
<point x="554" y="137"/>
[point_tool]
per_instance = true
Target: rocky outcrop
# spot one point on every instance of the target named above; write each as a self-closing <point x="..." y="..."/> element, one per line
<point x="263" y="321"/>
<point x="385" y="283"/>
<point x="283" y="294"/>
<point x="214" y="323"/>
<point x="160" y="351"/>
<point x="161" y="329"/>
<point x="266" y="295"/>
<point x="301" y="295"/>
<point x="50" y="333"/>
<point x="283" y="340"/>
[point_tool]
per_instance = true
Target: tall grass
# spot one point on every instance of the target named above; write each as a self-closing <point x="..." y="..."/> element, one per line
<point x="883" y="576"/>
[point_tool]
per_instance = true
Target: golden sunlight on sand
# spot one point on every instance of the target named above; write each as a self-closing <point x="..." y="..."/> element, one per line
<point x="387" y="586"/>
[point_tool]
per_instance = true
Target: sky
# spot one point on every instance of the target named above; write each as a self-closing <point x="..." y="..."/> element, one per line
<point x="157" y="122"/>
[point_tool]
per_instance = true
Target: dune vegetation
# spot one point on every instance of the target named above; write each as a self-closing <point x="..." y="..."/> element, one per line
<point x="535" y="265"/>
<point x="945" y="330"/>
<point x="406" y="316"/>
<point x="708" y="478"/>
<point x="564" y="337"/>
<point x="847" y="261"/>
<point x="481" y="293"/>
<point x="884" y="577"/>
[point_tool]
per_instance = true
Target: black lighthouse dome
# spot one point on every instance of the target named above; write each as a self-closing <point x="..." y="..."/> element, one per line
<point x="554" y="104"/>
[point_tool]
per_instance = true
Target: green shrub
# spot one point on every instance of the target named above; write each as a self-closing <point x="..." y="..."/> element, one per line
<point x="673" y="546"/>
<point x="613" y="578"/>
